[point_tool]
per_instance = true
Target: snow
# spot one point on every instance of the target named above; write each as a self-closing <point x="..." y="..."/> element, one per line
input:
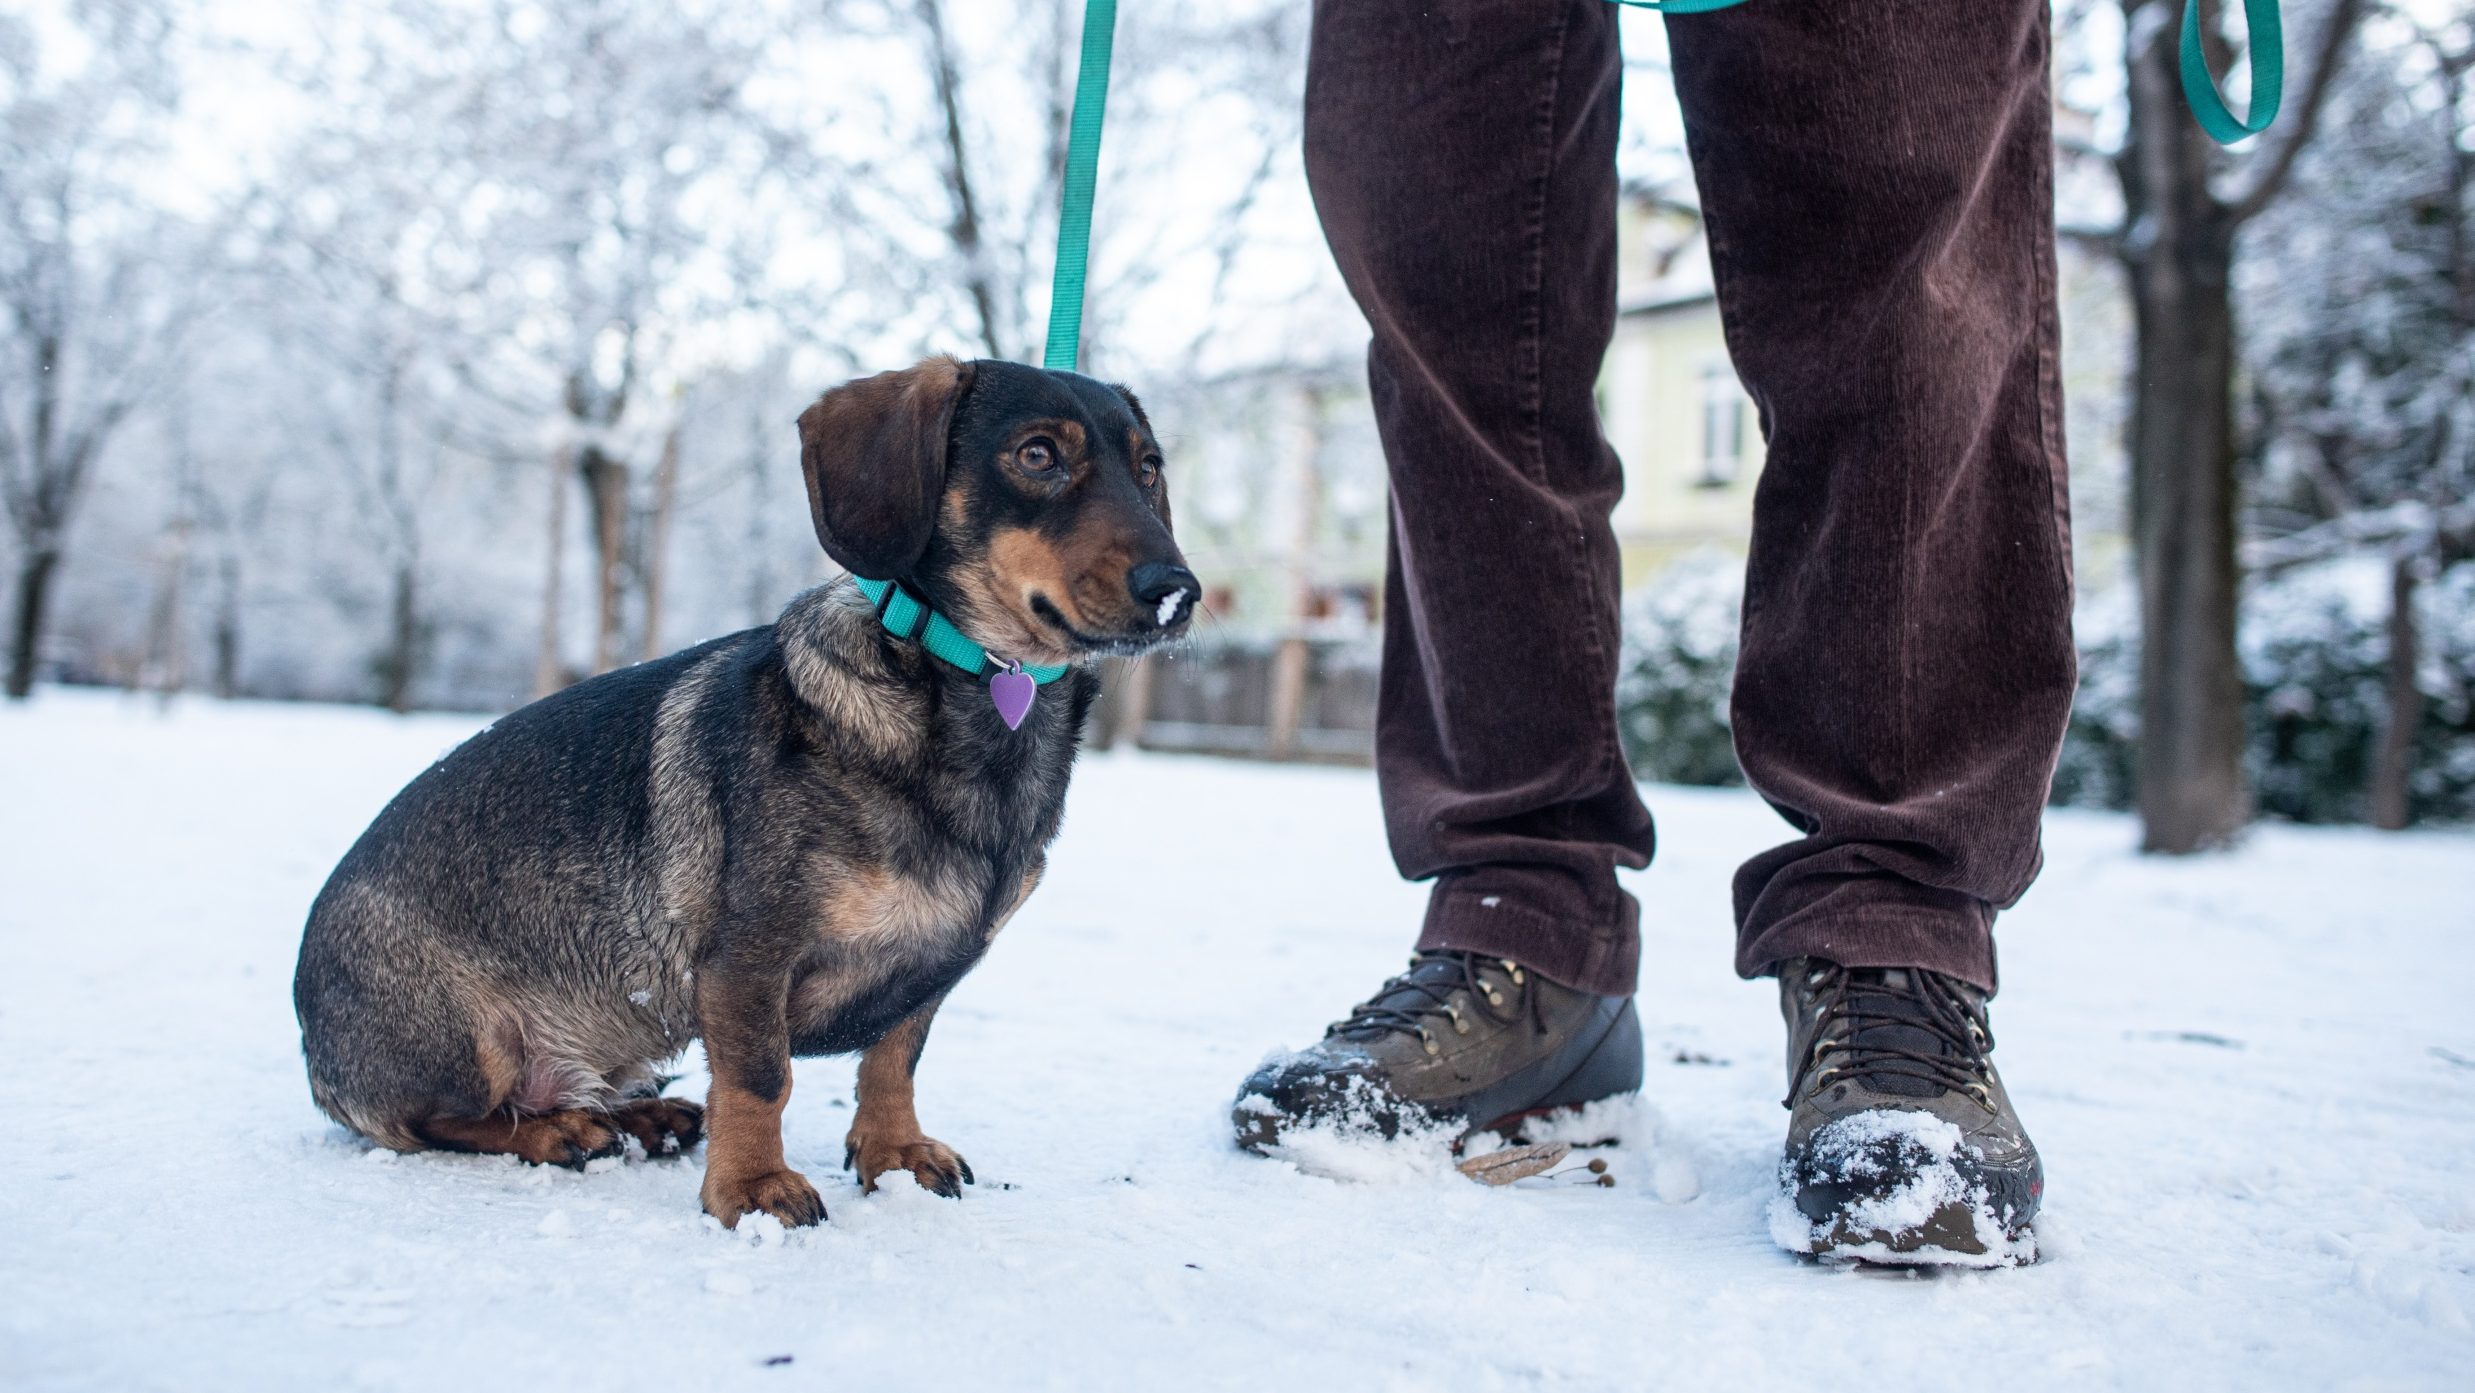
<point x="2248" y="1075"/>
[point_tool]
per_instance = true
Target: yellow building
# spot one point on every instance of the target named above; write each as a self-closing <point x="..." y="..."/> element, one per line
<point x="1669" y="399"/>
<point x="1691" y="441"/>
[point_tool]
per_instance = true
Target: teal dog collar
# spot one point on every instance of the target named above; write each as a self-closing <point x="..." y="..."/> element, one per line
<point x="908" y="617"/>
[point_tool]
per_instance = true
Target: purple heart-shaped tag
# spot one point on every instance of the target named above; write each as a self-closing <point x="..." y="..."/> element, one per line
<point x="1012" y="692"/>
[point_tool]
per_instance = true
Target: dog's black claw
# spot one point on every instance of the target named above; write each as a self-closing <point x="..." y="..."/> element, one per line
<point x="850" y="1158"/>
<point x="968" y="1177"/>
<point x="947" y="1186"/>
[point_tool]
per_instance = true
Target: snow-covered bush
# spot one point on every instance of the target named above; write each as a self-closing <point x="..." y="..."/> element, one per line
<point x="2315" y="652"/>
<point x="1679" y="657"/>
<point x="2097" y="769"/>
<point x="2316" y="677"/>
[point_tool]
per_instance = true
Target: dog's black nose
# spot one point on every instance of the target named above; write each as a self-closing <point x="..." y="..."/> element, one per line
<point x="1168" y="589"/>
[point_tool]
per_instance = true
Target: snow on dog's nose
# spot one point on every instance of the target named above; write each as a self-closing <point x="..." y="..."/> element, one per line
<point x="1168" y="588"/>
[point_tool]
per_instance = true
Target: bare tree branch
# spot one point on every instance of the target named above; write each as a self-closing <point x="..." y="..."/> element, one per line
<point x="2328" y="57"/>
<point x="2108" y="240"/>
<point x="964" y="227"/>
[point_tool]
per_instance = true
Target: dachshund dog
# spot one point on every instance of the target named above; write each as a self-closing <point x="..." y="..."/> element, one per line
<point x="791" y="841"/>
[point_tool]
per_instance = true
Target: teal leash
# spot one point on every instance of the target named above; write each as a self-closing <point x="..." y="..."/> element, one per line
<point x="2268" y="46"/>
<point x="1011" y="685"/>
<point x="2208" y="105"/>
<point x="1091" y="102"/>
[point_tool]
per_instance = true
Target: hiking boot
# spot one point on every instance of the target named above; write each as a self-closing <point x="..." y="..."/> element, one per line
<point x="1457" y="1042"/>
<point x="1902" y="1146"/>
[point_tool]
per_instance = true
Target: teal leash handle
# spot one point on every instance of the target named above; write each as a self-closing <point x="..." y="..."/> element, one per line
<point x="2268" y="47"/>
<point x="2268" y="44"/>
<point x="1091" y="100"/>
<point x="1682" y="7"/>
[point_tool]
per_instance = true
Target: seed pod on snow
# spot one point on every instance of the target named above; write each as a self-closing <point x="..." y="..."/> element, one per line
<point x="1515" y="1162"/>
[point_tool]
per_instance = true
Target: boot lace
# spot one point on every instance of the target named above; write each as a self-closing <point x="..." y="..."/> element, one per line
<point x="1895" y="1029"/>
<point x="1410" y="1003"/>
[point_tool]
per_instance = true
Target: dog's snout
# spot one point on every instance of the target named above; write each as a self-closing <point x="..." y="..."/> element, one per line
<point x="1166" y="588"/>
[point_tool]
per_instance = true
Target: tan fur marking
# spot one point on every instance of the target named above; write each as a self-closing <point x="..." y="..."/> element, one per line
<point x="744" y="1169"/>
<point x="886" y="1091"/>
<point x="739" y="1013"/>
<point x="1021" y="564"/>
<point x="744" y="1132"/>
<point x="499" y="1051"/>
<point x="874" y="906"/>
<point x="569" y="1137"/>
<point x="1095" y="561"/>
<point x="687" y="836"/>
<point x="885" y="1130"/>
<point x="828" y="647"/>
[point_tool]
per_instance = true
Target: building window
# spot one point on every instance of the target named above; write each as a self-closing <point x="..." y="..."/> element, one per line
<point x="1723" y="426"/>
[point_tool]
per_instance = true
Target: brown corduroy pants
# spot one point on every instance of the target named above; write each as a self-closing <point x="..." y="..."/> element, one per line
<point x="1876" y="181"/>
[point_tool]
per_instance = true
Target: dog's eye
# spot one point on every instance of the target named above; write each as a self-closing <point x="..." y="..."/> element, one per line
<point x="1149" y="470"/>
<point x="1038" y="455"/>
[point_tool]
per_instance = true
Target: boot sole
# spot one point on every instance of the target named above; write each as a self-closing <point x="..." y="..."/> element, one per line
<point x="1948" y="1239"/>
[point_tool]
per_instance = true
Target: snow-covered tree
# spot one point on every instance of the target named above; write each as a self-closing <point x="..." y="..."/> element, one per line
<point x="2183" y="206"/>
<point x="101" y="278"/>
<point x="2363" y="350"/>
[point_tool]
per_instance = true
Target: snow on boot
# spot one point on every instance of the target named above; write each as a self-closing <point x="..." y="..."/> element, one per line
<point x="1902" y="1146"/>
<point x="1456" y="1043"/>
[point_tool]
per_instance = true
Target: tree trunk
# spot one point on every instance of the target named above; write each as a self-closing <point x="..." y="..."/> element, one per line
<point x="1290" y="662"/>
<point x="2397" y="746"/>
<point x="34" y="593"/>
<point x="605" y="493"/>
<point x="228" y="628"/>
<point x="657" y="547"/>
<point x="2192" y="791"/>
<point x="164" y="669"/>
<point x="397" y="669"/>
<point x="547" y="677"/>
<point x="2179" y="252"/>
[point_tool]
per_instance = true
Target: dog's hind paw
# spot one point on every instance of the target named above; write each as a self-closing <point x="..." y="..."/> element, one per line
<point x="930" y="1161"/>
<point x="568" y="1137"/>
<point x="664" y="1126"/>
<point x="785" y="1194"/>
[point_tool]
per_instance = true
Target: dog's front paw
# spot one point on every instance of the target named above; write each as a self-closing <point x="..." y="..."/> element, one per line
<point x="932" y="1162"/>
<point x="785" y="1194"/>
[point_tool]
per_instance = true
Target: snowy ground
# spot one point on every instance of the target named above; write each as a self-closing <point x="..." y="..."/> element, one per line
<point x="2253" y="1079"/>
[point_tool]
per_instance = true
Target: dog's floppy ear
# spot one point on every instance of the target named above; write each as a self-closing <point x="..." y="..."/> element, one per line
<point x="874" y="454"/>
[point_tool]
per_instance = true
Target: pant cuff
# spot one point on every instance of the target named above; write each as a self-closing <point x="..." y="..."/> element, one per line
<point x="1546" y="923"/>
<point x="1957" y="941"/>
